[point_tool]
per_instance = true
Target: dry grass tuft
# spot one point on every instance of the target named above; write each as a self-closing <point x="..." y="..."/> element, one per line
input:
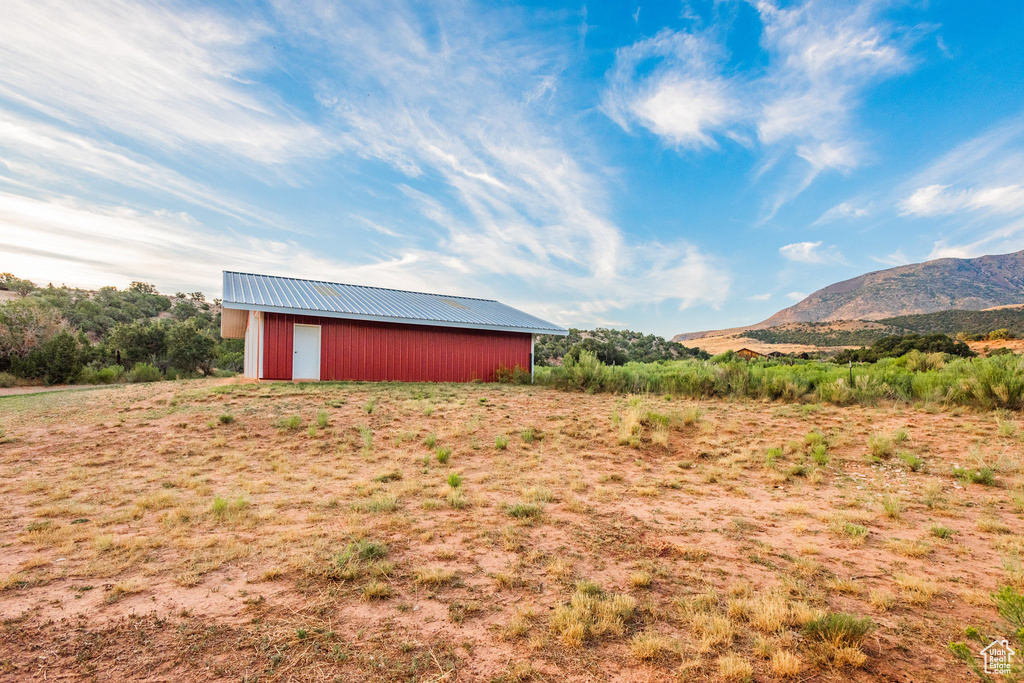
<point x="433" y="576"/>
<point x="590" y="615"/>
<point x="647" y="646"/>
<point x="915" y="589"/>
<point x="786" y="664"/>
<point x="735" y="669"/>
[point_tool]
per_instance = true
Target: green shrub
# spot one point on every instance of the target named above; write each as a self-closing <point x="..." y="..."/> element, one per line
<point x="983" y="475"/>
<point x="223" y="507"/>
<point x="443" y="454"/>
<point x="321" y="419"/>
<point x="525" y="510"/>
<point x="911" y="461"/>
<point x="815" y="439"/>
<point x="984" y="383"/>
<point x="430" y="441"/>
<point x="367" y="435"/>
<point x="893" y="505"/>
<point x="839" y="629"/>
<point x="144" y="372"/>
<point x="1010" y="604"/>
<point x="855" y="531"/>
<point x="819" y="454"/>
<point x="226" y="418"/>
<point x="190" y="348"/>
<point x="455" y="480"/>
<point x="940" y="531"/>
<point x="7" y="380"/>
<point x="60" y="359"/>
<point x="527" y="435"/>
<point x="108" y="375"/>
<point x="501" y="442"/>
<point x="290" y="423"/>
<point x="516" y="375"/>
<point x="880" y="446"/>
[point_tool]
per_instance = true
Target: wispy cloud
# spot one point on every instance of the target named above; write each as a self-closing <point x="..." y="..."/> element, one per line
<point x="822" y="56"/>
<point x="174" y="78"/>
<point x="896" y="258"/>
<point x="811" y="252"/>
<point x="88" y="244"/>
<point x="934" y="200"/>
<point x="453" y="112"/>
<point x="42" y="155"/>
<point x="796" y="296"/>
<point x="973" y="195"/>
<point x="684" y="99"/>
<point x="843" y="211"/>
<point x="453" y="107"/>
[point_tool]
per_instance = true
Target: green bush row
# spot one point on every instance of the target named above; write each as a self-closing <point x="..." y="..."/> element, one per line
<point x="986" y="383"/>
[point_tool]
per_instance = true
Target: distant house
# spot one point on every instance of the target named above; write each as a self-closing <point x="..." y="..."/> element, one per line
<point x="312" y="330"/>
<point x="776" y="354"/>
<point x="748" y="354"/>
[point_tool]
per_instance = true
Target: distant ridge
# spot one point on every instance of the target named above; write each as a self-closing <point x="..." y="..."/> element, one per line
<point x="939" y="285"/>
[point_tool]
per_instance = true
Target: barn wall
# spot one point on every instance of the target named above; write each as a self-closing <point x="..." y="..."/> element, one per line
<point x="369" y="351"/>
<point x="253" y="354"/>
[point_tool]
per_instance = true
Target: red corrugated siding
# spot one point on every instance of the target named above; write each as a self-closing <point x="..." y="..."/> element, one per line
<point x="387" y="352"/>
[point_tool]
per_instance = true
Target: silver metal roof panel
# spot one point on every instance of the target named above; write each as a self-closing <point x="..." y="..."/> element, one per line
<point x="356" y="302"/>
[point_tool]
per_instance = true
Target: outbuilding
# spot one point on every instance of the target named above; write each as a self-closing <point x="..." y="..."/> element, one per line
<point x="312" y="330"/>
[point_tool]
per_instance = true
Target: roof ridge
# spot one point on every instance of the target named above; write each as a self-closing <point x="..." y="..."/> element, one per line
<point x="346" y="284"/>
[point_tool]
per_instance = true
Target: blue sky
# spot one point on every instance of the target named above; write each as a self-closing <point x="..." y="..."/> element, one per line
<point x="664" y="167"/>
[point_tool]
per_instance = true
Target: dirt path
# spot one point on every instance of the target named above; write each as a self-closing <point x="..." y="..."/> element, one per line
<point x="19" y="391"/>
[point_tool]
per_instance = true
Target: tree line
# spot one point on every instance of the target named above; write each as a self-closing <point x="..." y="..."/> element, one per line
<point x="60" y="334"/>
<point x="611" y="347"/>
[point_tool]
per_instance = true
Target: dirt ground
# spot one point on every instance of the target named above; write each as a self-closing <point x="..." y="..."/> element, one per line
<point x="222" y="530"/>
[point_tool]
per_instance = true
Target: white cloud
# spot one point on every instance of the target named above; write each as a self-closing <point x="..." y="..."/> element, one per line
<point x="760" y="297"/>
<point x="38" y="154"/>
<point x="896" y="258"/>
<point x="87" y="244"/>
<point x="822" y="56"/>
<point x="507" y="196"/>
<point x="810" y="252"/>
<point x="684" y="100"/>
<point x="796" y="296"/>
<point x="681" y="110"/>
<point x="934" y="200"/>
<point x="174" y="78"/>
<point x="449" y="102"/>
<point x="842" y="211"/>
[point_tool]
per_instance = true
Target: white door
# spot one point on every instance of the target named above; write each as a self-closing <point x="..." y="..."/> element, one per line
<point x="306" y="356"/>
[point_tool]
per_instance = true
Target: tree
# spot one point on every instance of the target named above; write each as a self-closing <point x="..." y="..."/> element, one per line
<point x="141" y="341"/>
<point x="142" y="288"/>
<point x="25" y="325"/>
<point x="60" y="360"/>
<point x="15" y="284"/>
<point x="606" y="352"/>
<point x="189" y="348"/>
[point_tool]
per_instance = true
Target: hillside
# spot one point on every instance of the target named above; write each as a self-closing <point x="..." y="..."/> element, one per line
<point x="864" y="333"/>
<point x="970" y="284"/>
<point x="919" y="288"/>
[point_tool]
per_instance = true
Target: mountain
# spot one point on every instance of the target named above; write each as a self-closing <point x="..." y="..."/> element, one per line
<point x="942" y="284"/>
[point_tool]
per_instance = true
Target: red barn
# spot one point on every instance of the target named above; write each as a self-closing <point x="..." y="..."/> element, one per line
<point x="311" y="330"/>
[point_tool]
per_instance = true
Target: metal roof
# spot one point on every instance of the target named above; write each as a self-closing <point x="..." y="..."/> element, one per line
<point x="355" y="302"/>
